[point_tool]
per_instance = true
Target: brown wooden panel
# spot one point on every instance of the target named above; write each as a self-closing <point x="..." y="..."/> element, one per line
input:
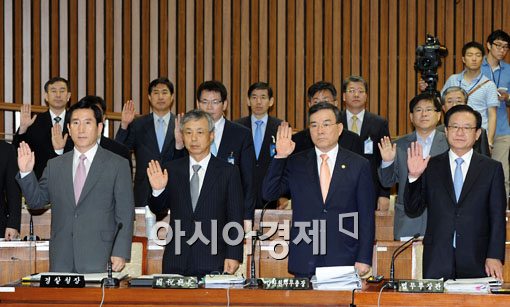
<point x="281" y="61"/>
<point x="254" y="41"/>
<point x="309" y="38"/>
<point x="480" y="8"/>
<point x="73" y="48"/>
<point x="318" y="40"/>
<point x="263" y="42"/>
<point x="145" y="54"/>
<point x="18" y="51"/>
<point x="346" y="39"/>
<point x="181" y="55"/>
<point x="291" y="62"/>
<point x="108" y="69"/>
<point x="402" y="71"/>
<point x="411" y="75"/>
<point x="337" y="47"/>
<point x="459" y="35"/>
<point x="36" y="52"/>
<point x="126" y="53"/>
<point x="469" y="20"/>
<point x="2" y="67"/>
<point x="163" y="38"/>
<point x="300" y="97"/>
<point x="245" y="59"/>
<point x="384" y="54"/>
<point x="272" y="68"/>
<point x="199" y="42"/>
<point x="355" y="41"/>
<point x="365" y="43"/>
<point x="236" y="61"/>
<point x="392" y="104"/>
<point x="328" y="40"/>
<point x="91" y="47"/>
<point x="218" y="30"/>
<point x="54" y="39"/>
<point x="374" y="63"/>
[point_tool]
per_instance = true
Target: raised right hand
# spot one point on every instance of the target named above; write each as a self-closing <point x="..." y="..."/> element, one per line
<point x="284" y="144"/>
<point x="422" y="85"/>
<point x="57" y="140"/>
<point x="157" y="178"/>
<point x="26" y="158"/>
<point x="388" y="150"/>
<point x="25" y="119"/>
<point x="179" y="141"/>
<point x="128" y="114"/>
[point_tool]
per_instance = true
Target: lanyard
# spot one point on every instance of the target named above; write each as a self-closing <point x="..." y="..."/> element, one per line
<point x="477" y="81"/>
<point x="494" y="78"/>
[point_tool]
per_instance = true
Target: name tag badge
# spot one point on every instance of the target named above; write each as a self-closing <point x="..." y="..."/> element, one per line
<point x="369" y="146"/>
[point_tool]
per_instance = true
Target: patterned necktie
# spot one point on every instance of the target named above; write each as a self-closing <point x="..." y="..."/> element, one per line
<point x="214" y="149"/>
<point x="57" y="119"/>
<point x="325" y="176"/>
<point x="458" y="180"/>
<point x="79" y="178"/>
<point x="354" y="126"/>
<point x="194" y="186"/>
<point x="257" y="140"/>
<point x="160" y="133"/>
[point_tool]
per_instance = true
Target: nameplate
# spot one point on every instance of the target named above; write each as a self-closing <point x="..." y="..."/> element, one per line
<point x="421" y="286"/>
<point x="160" y="282"/>
<point x="62" y="281"/>
<point x="285" y="283"/>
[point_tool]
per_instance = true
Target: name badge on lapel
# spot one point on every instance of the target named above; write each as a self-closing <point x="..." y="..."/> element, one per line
<point x="369" y="146"/>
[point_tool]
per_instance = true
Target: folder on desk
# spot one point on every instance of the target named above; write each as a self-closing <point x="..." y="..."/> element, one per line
<point x="90" y="277"/>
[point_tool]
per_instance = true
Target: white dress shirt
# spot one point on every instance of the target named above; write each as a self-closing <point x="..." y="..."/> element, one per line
<point x="331" y="159"/>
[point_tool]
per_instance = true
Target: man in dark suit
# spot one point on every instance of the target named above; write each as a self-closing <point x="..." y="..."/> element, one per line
<point x="151" y="136"/>
<point x="464" y="193"/>
<point x="326" y="92"/>
<point x="263" y="128"/>
<point x="328" y="184"/>
<point x="369" y="126"/>
<point x="453" y="96"/>
<point x="106" y="143"/>
<point x="90" y="193"/>
<point x="232" y="142"/>
<point x="204" y="194"/>
<point x="36" y="130"/>
<point x="10" y="196"/>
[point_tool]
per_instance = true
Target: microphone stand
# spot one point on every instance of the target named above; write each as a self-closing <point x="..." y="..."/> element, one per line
<point x="110" y="282"/>
<point x="392" y="283"/>
<point x="253" y="280"/>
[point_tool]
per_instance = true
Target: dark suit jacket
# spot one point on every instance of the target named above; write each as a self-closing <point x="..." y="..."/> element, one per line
<point x="38" y="137"/>
<point x="262" y="164"/>
<point x="141" y="138"/>
<point x="82" y="231"/>
<point x="375" y="128"/>
<point x="347" y="140"/>
<point x="220" y="200"/>
<point x="10" y="195"/>
<point x="478" y="218"/>
<point x="237" y="141"/>
<point x="350" y="191"/>
<point x="481" y="145"/>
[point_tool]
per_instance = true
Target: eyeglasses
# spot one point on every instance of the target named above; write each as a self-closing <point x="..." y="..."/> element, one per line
<point x="324" y="125"/>
<point x="501" y="46"/>
<point x="357" y="91"/>
<point x="213" y="102"/>
<point x="427" y="110"/>
<point x="455" y="128"/>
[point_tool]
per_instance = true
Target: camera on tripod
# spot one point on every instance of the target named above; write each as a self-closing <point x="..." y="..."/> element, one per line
<point x="428" y="59"/>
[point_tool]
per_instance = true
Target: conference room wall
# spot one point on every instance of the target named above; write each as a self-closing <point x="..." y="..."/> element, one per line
<point x="113" y="48"/>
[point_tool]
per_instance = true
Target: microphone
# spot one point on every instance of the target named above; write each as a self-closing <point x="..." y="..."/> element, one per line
<point x="31" y="236"/>
<point x="253" y="280"/>
<point x="392" y="284"/>
<point x="109" y="281"/>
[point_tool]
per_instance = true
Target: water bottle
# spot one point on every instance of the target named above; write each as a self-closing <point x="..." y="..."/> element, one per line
<point x="150" y="221"/>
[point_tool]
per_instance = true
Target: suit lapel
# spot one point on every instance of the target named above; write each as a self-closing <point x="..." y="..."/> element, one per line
<point x="150" y="132"/>
<point x="473" y="173"/>
<point x="338" y="173"/>
<point x="96" y="168"/>
<point x="182" y="171"/>
<point x="365" y="124"/>
<point x="439" y="144"/>
<point x="169" y="133"/>
<point x="225" y="138"/>
<point x="313" y="171"/>
<point x="67" y="173"/>
<point x="446" y="172"/>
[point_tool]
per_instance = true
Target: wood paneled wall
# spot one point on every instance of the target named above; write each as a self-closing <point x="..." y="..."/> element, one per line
<point x="113" y="48"/>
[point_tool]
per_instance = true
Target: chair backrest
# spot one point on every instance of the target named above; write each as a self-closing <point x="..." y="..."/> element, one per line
<point x="138" y="264"/>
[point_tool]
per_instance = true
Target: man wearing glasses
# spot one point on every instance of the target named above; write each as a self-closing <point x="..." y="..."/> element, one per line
<point x="232" y="142"/>
<point x="498" y="71"/>
<point x="425" y="113"/>
<point x="464" y="194"/>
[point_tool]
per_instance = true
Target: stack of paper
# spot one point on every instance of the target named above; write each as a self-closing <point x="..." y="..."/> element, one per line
<point x="471" y="285"/>
<point x="223" y="281"/>
<point x="336" y="278"/>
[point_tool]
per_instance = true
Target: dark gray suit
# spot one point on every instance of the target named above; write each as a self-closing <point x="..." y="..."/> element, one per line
<point x="403" y="225"/>
<point x="82" y="234"/>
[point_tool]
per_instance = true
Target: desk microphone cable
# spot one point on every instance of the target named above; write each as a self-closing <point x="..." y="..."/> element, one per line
<point x="352" y="299"/>
<point x="380" y="293"/>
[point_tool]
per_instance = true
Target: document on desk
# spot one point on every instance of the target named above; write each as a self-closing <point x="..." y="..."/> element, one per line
<point x="90" y="277"/>
<point x="471" y="285"/>
<point x="223" y="281"/>
<point x="336" y="278"/>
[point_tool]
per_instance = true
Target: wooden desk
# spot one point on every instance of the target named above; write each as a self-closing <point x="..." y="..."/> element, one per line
<point x="35" y="296"/>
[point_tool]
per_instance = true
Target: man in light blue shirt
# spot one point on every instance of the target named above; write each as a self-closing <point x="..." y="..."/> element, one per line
<point x="482" y="93"/>
<point x="498" y="71"/>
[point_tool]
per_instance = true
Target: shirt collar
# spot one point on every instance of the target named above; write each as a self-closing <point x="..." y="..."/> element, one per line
<point x="466" y="157"/>
<point x="476" y="79"/>
<point x="360" y="115"/>
<point x="264" y="119"/>
<point x="62" y="117"/>
<point x="428" y="139"/>
<point x="166" y="118"/>
<point x="90" y="154"/>
<point x="203" y="163"/>
<point x="331" y="154"/>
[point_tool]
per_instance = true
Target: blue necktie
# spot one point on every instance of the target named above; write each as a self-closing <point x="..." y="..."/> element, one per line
<point x="257" y="140"/>
<point x="160" y="133"/>
<point x="458" y="180"/>
<point x="214" y="149"/>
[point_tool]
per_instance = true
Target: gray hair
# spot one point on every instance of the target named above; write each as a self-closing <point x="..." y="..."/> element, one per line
<point x="197" y="115"/>
<point x="453" y="89"/>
